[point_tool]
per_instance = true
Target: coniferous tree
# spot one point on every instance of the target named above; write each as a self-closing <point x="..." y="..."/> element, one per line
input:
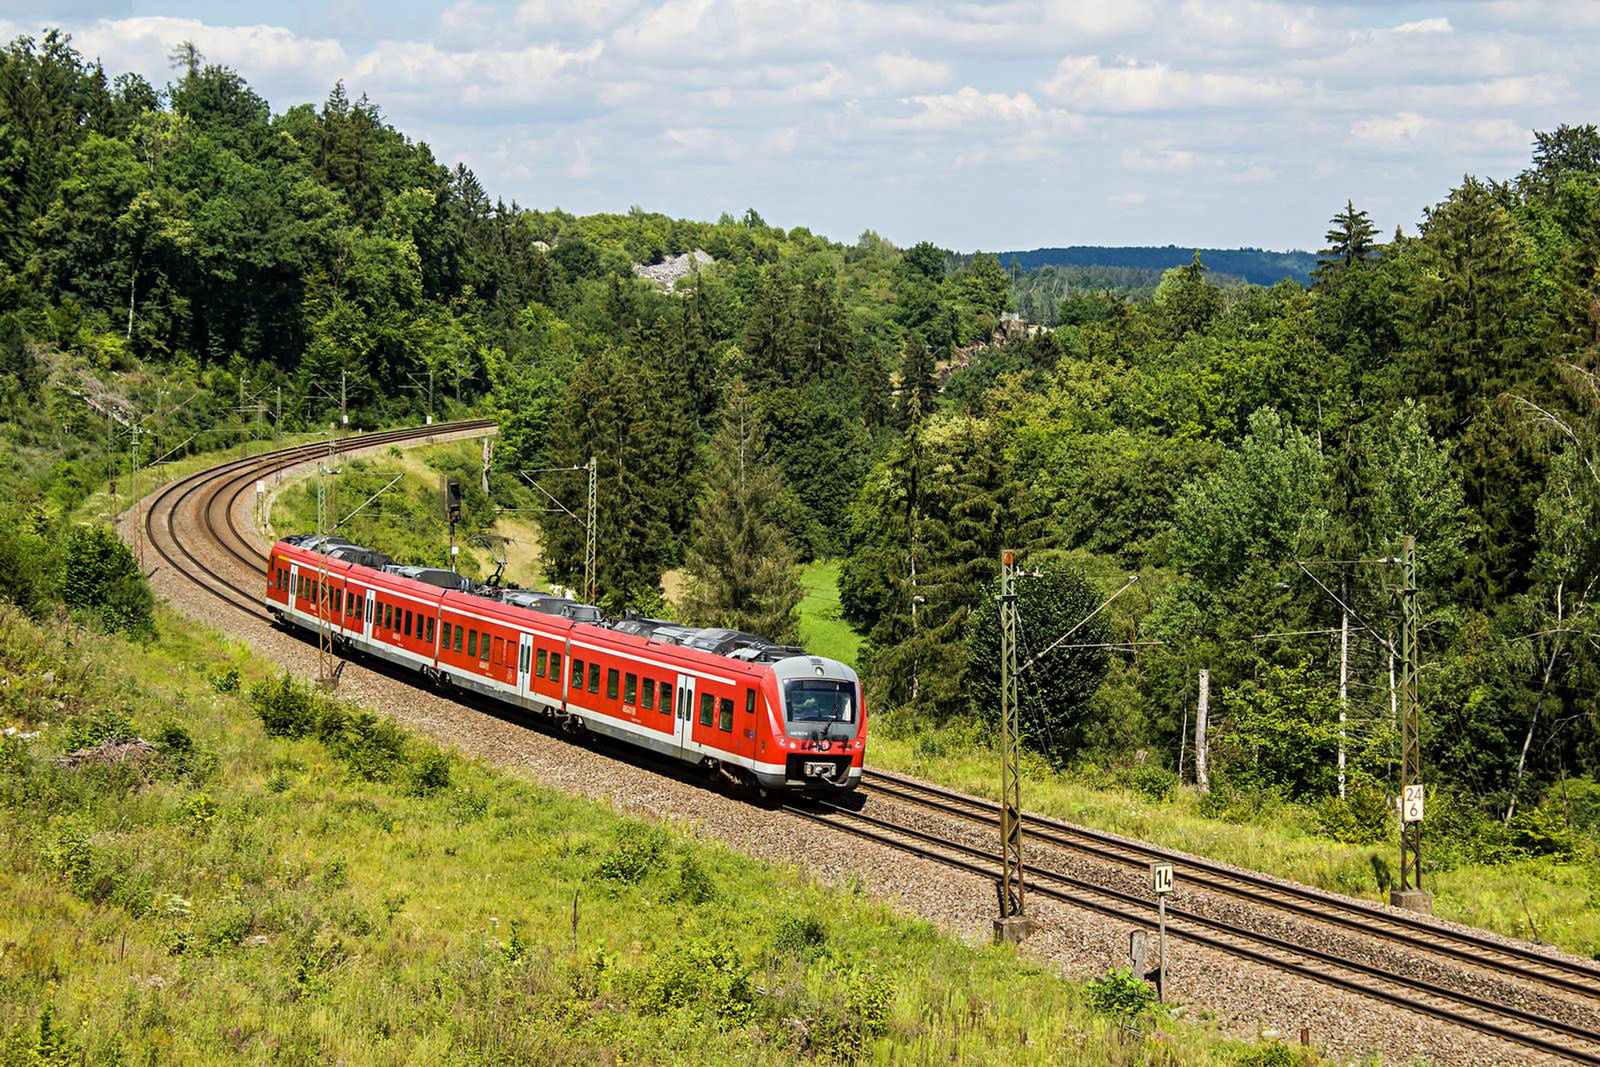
<point x="741" y="568"/>
<point x="1350" y="242"/>
<point x="918" y="378"/>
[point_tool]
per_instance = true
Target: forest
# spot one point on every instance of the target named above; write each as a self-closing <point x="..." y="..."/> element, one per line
<point x="182" y="267"/>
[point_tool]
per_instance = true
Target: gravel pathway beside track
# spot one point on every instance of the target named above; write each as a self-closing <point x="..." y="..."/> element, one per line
<point x="1245" y="998"/>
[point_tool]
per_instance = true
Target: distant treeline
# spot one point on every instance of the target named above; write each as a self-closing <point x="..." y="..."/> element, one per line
<point x="1255" y="265"/>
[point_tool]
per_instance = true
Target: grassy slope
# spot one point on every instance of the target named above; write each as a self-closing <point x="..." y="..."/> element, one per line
<point x="1536" y="899"/>
<point x="822" y="631"/>
<point x="268" y="905"/>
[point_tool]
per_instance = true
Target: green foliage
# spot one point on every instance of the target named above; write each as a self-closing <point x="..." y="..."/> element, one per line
<point x="1122" y="995"/>
<point x="86" y="731"/>
<point x="1273" y="1054"/>
<point x="800" y="935"/>
<point x="706" y="972"/>
<point x="1363" y="816"/>
<point x="741" y="569"/>
<point x="1054" y="693"/>
<point x="634" y="854"/>
<point x="101" y="580"/>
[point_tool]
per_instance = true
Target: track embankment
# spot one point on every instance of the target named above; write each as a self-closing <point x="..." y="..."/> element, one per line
<point x="1250" y="952"/>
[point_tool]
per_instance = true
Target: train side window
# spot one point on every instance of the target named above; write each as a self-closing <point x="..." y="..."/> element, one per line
<point x="630" y="689"/>
<point x="666" y="698"/>
<point x="577" y="673"/>
<point x="594" y="677"/>
<point x="555" y="666"/>
<point x="408" y="622"/>
<point x="472" y="644"/>
<point x="649" y="702"/>
<point x="611" y="683"/>
<point x="725" y="715"/>
<point x="431" y="631"/>
<point x="457" y="645"/>
<point x="708" y="708"/>
<point x="483" y="649"/>
<point x="539" y="663"/>
<point x="446" y="642"/>
<point x="388" y="616"/>
<point x="749" y="700"/>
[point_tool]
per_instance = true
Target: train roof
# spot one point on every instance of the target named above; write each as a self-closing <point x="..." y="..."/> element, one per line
<point x="710" y="646"/>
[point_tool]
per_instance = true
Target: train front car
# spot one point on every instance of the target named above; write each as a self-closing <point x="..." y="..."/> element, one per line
<point x="819" y="727"/>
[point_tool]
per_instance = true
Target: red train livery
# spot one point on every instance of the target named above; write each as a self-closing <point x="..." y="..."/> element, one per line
<point x="796" y="724"/>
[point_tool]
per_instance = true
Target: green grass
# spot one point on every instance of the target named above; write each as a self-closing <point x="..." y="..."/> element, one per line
<point x="822" y="630"/>
<point x="364" y="898"/>
<point x="1536" y="899"/>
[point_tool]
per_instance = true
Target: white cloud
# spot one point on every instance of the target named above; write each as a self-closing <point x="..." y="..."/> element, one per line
<point x="1085" y="83"/>
<point x="902" y="72"/>
<point x="1434" y="25"/>
<point x="901" y="115"/>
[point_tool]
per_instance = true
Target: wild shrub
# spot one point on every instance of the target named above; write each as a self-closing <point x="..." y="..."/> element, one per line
<point x="430" y="773"/>
<point x="867" y="995"/>
<point x="75" y="859"/>
<point x="372" y="748"/>
<point x="1121" y="994"/>
<point x="1151" y="781"/>
<point x="801" y="936"/>
<point x="1581" y="799"/>
<point x="177" y="756"/>
<point x="52" y="1047"/>
<point x="694" y="885"/>
<point x="1362" y="817"/>
<point x="199" y="812"/>
<point x="702" y="971"/>
<point x="1539" y="832"/>
<point x="27" y="565"/>
<point x="225" y="679"/>
<point x="1275" y="1054"/>
<point x="287" y="708"/>
<point x="635" y="851"/>
<point x="86" y="731"/>
<point x="101" y="581"/>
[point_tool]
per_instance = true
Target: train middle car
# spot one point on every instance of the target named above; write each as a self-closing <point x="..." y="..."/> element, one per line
<point x="772" y="718"/>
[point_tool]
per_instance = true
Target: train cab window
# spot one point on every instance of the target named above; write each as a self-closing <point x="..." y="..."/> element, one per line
<point x="630" y="689"/>
<point x="577" y="673"/>
<point x="594" y="677"/>
<point x="708" y="707"/>
<point x="649" y="701"/>
<point x="539" y="663"/>
<point x="555" y="666"/>
<point x="725" y="715"/>
<point x="749" y="700"/>
<point x="457" y="645"/>
<point x="666" y="698"/>
<point x="611" y="683"/>
<point x="472" y="644"/>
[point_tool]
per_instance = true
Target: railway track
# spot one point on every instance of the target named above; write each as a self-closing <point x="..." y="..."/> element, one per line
<point x="214" y="495"/>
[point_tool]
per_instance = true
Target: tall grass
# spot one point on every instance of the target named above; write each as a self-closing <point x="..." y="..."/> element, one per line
<point x="290" y="880"/>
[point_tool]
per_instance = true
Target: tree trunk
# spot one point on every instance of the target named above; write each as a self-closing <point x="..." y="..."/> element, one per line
<point x="1202" y="770"/>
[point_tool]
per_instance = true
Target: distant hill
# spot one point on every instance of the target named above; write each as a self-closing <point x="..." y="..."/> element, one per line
<point x="1255" y="265"/>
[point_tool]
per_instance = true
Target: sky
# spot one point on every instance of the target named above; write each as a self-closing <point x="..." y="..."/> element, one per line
<point x="999" y="126"/>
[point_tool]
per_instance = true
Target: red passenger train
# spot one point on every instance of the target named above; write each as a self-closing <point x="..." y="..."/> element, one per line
<point x="755" y="713"/>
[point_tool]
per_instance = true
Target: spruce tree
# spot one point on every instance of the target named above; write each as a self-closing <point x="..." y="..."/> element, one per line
<point x="741" y="568"/>
<point x="1350" y="242"/>
<point x="918" y="381"/>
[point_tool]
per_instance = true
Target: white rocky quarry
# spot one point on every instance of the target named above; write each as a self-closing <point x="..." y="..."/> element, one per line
<point x="673" y="269"/>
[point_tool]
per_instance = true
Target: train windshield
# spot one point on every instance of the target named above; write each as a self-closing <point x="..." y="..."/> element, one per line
<point x="819" y="700"/>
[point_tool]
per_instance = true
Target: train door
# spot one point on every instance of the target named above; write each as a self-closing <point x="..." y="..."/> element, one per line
<point x="687" y="747"/>
<point x="366" y="616"/>
<point x="294" y="586"/>
<point x="524" y="664"/>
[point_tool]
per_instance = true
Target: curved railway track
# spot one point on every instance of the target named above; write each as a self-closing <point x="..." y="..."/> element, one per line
<point x="214" y="495"/>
